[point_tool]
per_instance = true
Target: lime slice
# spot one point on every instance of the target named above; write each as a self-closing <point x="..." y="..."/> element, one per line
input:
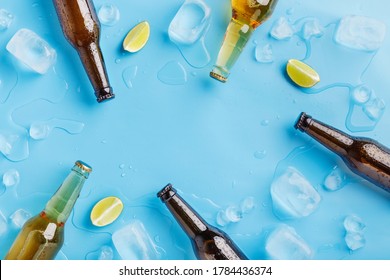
<point x="302" y="74"/>
<point x="137" y="37"/>
<point x="106" y="211"/>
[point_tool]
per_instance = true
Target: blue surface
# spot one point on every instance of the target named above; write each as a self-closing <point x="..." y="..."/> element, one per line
<point x="200" y="135"/>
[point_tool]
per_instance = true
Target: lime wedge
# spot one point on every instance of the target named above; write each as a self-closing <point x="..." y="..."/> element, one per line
<point x="137" y="37"/>
<point x="106" y="211"/>
<point x="302" y="74"/>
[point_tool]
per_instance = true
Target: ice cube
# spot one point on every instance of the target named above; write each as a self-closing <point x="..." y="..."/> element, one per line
<point x="293" y="196"/>
<point x="375" y="108"/>
<point x="11" y="178"/>
<point x="19" y="217"/>
<point x="14" y="146"/>
<point x="106" y="253"/>
<point x="355" y="240"/>
<point x="335" y="180"/>
<point x="3" y="224"/>
<point x="361" y="94"/>
<point x="353" y="223"/>
<point x="190" y="22"/>
<point x="263" y="54"/>
<point x="32" y="50"/>
<point x="284" y="243"/>
<point x="312" y="28"/>
<point x="247" y="204"/>
<point x="134" y="243"/>
<point x="233" y="214"/>
<point x="221" y="219"/>
<point x="40" y="130"/>
<point x="360" y="33"/>
<point x="6" y="19"/>
<point x="109" y="14"/>
<point x="281" y="29"/>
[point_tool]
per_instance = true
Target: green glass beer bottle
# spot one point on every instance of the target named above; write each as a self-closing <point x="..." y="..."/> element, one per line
<point x="81" y="28"/>
<point x="364" y="156"/>
<point x="42" y="236"/>
<point x="247" y="15"/>
<point x="208" y="242"/>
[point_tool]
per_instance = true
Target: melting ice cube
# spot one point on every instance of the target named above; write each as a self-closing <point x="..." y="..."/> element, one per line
<point x="11" y="178"/>
<point x="263" y="54"/>
<point x="355" y="240"/>
<point x="375" y="108"/>
<point x="32" y="50"/>
<point x="3" y="224"/>
<point x="353" y="223"/>
<point x="281" y="29"/>
<point x="109" y="14"/>
<point x="247" y="204"/>
<point x="335" y="180"/>
<point x="293" y="196"/>
<point x="19" y="217"/>
<point x="361" y="94"/>
<point x="360" y="33"/>
<point x="190" y="22"/>
<point x="312" y="28"/>
<point x="285" y="244"/>
<point x="134" y="243"/>
<point x="6" y="19"/>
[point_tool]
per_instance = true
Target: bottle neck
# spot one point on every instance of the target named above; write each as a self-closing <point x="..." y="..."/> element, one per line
<point x="332" y="138"/>
<point x="60" y="205"/>
<point x="184" y="214"/>
<point x="92" y="59"/>
<point x="236" y="37"/>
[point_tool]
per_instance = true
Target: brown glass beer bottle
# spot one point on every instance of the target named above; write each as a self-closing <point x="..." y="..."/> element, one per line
<point x="364" y="156"/>
<point x="81" y="28"/>
<point x="208" y="242"/>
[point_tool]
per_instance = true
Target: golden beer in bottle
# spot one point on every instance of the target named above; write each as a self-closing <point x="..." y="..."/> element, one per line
<point x="81" y="28"/>
<point x="364" y="156"/>
<point x="247" y="15"/>
<point x="208" y="242"/>
<point x="42" y="236"/>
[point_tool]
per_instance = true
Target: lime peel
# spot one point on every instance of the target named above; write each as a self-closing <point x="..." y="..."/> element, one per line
<point x="106" y="211"/>
<point x="137" y="37"/>
<point x="302" y="74"/>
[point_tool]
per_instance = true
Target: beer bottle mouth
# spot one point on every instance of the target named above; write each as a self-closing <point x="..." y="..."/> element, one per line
<point x="104" y="94"/>
<point x="303" y="122"/>
<point x="166" y="193"/>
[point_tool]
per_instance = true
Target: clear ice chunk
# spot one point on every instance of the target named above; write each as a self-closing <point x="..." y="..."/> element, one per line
<point x="233" y="214"/>
<point x="353" y="223"/>
<point x="360" y="33"/>
<point x="6" y="19"/>
<point x="32" y="50"/>
<point x="3" y="224"/>
<point x="361" y="94"/>
<point x="335" y="180"/>
<point x="293" y="196"/>
<point x="19" y="217"/>
<point x="14" y="147"/>
<point x="109" y="14"/>
<point x="312" y="28"/>
<point x="281" y="29"/>
<point x="134" y="243"/>
<point x="221" y="219"/>
<point x="11" y="178"/>
<point x="190" y="22"/>
<point x="264" y="54"/>
<point x="247" y="204"/>
<point x="355" y="240"/>
<point x="284" y="243"/>
<point x="374" y="108"/>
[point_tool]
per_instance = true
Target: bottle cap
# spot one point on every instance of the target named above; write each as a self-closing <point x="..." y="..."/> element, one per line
<point x="104" y="94"/>
<point x="166" y="193"/>
<point x="303" y="122"/>
<point x="83" y="166"/>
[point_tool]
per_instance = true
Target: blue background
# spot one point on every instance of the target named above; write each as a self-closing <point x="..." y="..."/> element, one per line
<point x="201" y="136"/>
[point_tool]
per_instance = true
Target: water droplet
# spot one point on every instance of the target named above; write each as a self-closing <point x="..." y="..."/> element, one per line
<point x="42" y="129"/>
<point x="260" y="154"/>
<point x="173" y="73"/>
<point x="265" y="122"/>
<point x="122" y="165"/>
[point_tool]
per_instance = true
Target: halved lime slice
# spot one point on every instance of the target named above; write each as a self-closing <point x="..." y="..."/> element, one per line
<point x="301" y="73"/>
<point x="106" y="211"/>
<point x="137" y="37"/>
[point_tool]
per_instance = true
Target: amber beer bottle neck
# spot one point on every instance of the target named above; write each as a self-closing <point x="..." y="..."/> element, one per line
<point x="188" y="219"/>
<point x="332" y="138"/>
